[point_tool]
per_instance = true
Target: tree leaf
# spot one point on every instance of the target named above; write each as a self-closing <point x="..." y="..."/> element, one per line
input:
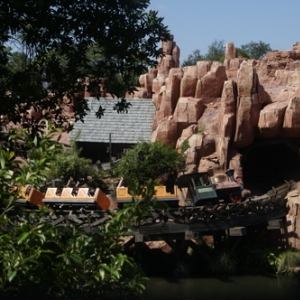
<point x="12" y="275"/>
<point x="23" y="237"/>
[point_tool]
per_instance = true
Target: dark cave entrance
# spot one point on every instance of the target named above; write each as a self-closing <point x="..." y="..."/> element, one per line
<point x="269" y="163"/>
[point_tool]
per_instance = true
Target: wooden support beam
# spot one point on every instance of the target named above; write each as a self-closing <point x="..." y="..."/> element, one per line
<point x="191" y="235"/>
<point x="129" y="242"/>
<point x="139" y="238"/>
<point x="237" y="231"/>
<point x="275" y="224"/>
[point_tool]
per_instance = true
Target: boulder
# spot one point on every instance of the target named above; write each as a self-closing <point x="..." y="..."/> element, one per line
<point x="271" y="119"/>
<point x="147" y="81"/>
<point x="296" y="47"/>
<point x="158" y="82"/>
<point x="210" y="86"/>
<point x="230" y="51"/>
<point x="167" y="46"/>
<point x="156" y="99"/>
<point x="202" y="144"/>
<point x="185" y="134"/>
<point x="191" y="156"/>
<point x="189" y="82"/>
<point x="247" y="80"/>
<point x="188" y="110"/>
<point x="222" y="146"/>
<point x="166" y="132"/>
<point x="176" y="56"/>
<point x="232" y="103"/>
<point x="293" y="219"/>
<point x="210" y="164"/>
<point x="203" y="67"/>
<point x="173" y="86"/>
<point x="244" y="133"/>
<point x="284" y="77"/>
<point x="291" y="123"/>
<point x="228" y="110"/>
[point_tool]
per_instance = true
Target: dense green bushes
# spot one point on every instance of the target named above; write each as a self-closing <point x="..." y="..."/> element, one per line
<point x="70" y="164"/>
<point x="150" y="161"/>
<point x="41" y="260"/>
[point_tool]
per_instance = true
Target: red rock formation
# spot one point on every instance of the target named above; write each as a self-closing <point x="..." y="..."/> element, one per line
<point x="219" y="108"/>
<point x="210" y="86"/>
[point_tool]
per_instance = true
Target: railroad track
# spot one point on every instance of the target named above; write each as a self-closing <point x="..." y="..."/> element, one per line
<point x="271" y="204"/>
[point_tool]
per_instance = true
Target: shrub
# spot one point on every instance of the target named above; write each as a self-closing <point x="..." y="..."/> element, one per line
<point x="150" y="161"/>
<point x="288" y="261"/>
<point x="69" y="164"/>
<point x="44" y="261"/>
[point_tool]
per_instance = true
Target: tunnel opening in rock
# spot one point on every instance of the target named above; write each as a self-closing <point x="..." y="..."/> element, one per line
<point x="267" y="164"/>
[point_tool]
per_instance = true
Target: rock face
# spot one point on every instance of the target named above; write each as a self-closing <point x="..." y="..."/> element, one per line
<point x="293" y="220"/>
<point x="217" y="109"/>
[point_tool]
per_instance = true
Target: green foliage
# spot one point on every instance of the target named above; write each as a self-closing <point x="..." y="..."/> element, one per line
<point x="185" y="145"/>
<point x="242" y="53"/>
<point x="287" y="261"/>
<point x="35" y="154"/>
<point x="225" y="264"/>
<point x="140" y="208"/>
<point x="17" y="61"/>
<point x="216" y="51"/>
<point x="271" y="260"/>
<point x="25" y="159"/>
<point x="193" y="58"/>
<point x="40" y="260"/>
<point x="256" y="50"/>
<point x="43" y="261"/>
<point x="260" y="260"/>
<point x="150" y="161"/>
<point x="68" y="163"/>
<point x="40" y="63"/>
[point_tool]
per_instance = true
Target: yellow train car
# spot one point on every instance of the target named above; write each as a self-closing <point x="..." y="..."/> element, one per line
<point x="80" y="198"/>
<point x="161" y="194"/>
<point x="30" y="196"/>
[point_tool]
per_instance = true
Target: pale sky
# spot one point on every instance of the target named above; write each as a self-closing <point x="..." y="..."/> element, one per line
<point x="196" y="24"/>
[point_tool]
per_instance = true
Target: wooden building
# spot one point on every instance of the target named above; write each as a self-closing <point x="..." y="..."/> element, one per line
<point x="111" y="135"/>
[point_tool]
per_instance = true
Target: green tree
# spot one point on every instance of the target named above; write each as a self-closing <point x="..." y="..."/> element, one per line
<point x="48" y="262"/>
<point x="68" y="163"/>
<point x="256" y="50"/>
<point x="215" y="51"/>
<point x="150" y="161"/>
<point x="62" y="41"/>
<point x="193" y="58"/>
<point x="17" y="61"/>
<point x="242" y="53"/>
<point x="25" y="159"/>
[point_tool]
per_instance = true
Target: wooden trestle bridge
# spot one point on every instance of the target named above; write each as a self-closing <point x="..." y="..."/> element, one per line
<point x="187" y="223"/>
<point x="179" y="227"/>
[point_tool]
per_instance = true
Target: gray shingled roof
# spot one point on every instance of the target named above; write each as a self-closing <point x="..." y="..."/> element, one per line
<point x="130" y="128"/>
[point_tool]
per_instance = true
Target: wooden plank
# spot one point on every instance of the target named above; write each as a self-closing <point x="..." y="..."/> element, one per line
<point x="191" y="235"/>
<point x="275" y="224"/>
<point x="139" y="238"/>
<point x="237" y="231"/>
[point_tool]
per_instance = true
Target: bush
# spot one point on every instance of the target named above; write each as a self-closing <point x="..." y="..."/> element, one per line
<point x="69" y="164"/>
<point x="44" y="261"/>
<point x="150" y="161"/>
<point x="288" y="261"/>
